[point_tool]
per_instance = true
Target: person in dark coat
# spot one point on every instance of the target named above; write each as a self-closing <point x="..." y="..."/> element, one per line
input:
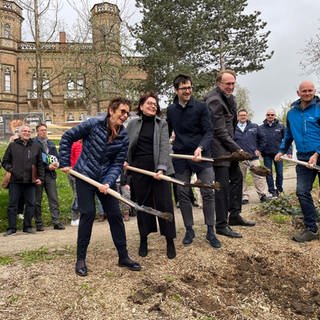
<point x="149" y="150"/>
<point x="24" y="161"/>
<point x="48" y="149"/>
<point x="250" y="138"/>
<point x="189" y="119"/>
<point x="274" y="131"/>
<point x="223" y="109"/>
<point x="104" y="149"/>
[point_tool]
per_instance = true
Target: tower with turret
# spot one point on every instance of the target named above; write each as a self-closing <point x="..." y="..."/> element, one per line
<point x="10" y="36"/>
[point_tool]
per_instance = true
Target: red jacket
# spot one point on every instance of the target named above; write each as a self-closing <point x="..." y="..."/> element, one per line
<point x="76" y="149"/>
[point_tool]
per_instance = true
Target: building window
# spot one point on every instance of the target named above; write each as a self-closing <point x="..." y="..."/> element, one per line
<point x="45" y="81"/>
<point x="75" y="82"/>
<point x="7" y="80"/>
<point x="7" y="30"/>
<point x="34" y="82"/>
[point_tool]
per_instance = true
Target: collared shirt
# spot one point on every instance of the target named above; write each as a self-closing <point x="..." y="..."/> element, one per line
<point x="242" y="126"/>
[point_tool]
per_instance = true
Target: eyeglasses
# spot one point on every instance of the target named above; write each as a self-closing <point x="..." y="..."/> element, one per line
<point x="124" y="112"/>
<point x="185" y="88"/>
<point x="26" y="131"/>
<point x="270" y="114"/>
<point x="150" y="103"/>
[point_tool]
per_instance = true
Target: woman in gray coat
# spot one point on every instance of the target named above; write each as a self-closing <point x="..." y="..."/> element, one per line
<point x="149" y="150"/>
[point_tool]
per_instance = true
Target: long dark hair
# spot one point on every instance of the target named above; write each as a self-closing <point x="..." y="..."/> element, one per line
<point x="114" y="105"/>
<point x="144" y="98"/>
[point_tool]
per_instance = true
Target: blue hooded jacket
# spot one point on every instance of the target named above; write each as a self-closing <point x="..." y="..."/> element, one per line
<point x="303" y="126"/>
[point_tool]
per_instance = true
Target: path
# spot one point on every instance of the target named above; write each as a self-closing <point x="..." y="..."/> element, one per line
<point x="61" y="238"/>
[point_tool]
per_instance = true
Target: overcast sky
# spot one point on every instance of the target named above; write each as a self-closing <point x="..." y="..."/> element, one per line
<point x="292" y="23"/>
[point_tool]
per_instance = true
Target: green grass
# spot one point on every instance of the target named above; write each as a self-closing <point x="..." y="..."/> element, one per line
<point x="64" y="193"/>
<point x="6" y="260"/>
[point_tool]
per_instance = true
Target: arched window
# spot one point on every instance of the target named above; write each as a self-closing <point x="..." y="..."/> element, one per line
<point x="7" y="80"/>
<point x="7" y="30"/>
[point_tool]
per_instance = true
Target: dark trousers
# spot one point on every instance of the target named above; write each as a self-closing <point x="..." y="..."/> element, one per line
<point x="16" y="192"/>
<point x="206" y="175"/>
<point x="86" y="194"/>
<point x="50" y="187"/>
<point x="305" y="179"/>
<point x="278" y="165"/>
<point x="229" y="197"/>
<point x="158" y="196"/>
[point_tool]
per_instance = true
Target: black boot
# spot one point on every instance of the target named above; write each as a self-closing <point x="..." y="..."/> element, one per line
<point x="81" y="268"/>
<point x="143" y="249"/>
<point x="171" y="250"/>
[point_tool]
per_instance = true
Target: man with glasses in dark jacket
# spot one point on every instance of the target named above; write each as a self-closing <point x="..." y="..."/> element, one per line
<point x="274" y="131"/>
<point x="189" y="119"/>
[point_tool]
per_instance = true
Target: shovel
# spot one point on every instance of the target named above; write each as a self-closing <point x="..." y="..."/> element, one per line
<point x="197" y="184"/>
<point x="234" y="156"/>
<point x="262" y="171"/>
<point x="164" y="215"/>
<point x="303" y="163"/>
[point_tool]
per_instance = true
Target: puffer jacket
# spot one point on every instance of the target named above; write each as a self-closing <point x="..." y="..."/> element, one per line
<point x="99" y="159"/>
<point x="20" y="158"/>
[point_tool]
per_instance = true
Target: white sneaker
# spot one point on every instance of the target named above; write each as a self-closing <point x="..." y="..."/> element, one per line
<point x="74" y="223"/>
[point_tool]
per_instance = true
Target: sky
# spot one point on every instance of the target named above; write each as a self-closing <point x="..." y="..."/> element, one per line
<point x="292" y="24"/>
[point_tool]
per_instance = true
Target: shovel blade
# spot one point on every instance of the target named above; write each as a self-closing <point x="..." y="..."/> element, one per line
<point x="164" y="215"/>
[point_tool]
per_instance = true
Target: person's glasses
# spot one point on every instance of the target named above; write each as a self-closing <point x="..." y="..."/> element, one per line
<point x="185" y="88"/>
<point x="150" y="103"/>
<point x="270" y="114"/>
<point x="124" y="113"/>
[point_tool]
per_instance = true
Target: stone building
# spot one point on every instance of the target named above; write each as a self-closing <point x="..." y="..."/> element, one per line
<point x="65" y="81"/>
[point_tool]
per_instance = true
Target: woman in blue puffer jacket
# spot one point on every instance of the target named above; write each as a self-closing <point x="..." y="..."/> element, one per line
<point x="105" y="146"/>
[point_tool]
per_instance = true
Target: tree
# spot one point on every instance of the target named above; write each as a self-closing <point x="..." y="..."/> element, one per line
<point x="42" y="17"/>
<point x="311" y="56"/>
<point x="198" y="37"/>
<point x="243" y="100"/>
<point x="106" y="66"/>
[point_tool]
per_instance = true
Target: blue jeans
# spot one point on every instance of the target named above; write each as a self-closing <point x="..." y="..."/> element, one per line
<point x="305" y="179"/>
<point x="278" y="165"/>
<point x="206" y="175"/>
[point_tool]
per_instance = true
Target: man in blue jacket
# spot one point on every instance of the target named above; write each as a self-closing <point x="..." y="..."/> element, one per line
<point x="189" y="119"/>
<point x="251" y="139"/>
<point x="274" y="131"/>
<point x="303" y="127"/>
